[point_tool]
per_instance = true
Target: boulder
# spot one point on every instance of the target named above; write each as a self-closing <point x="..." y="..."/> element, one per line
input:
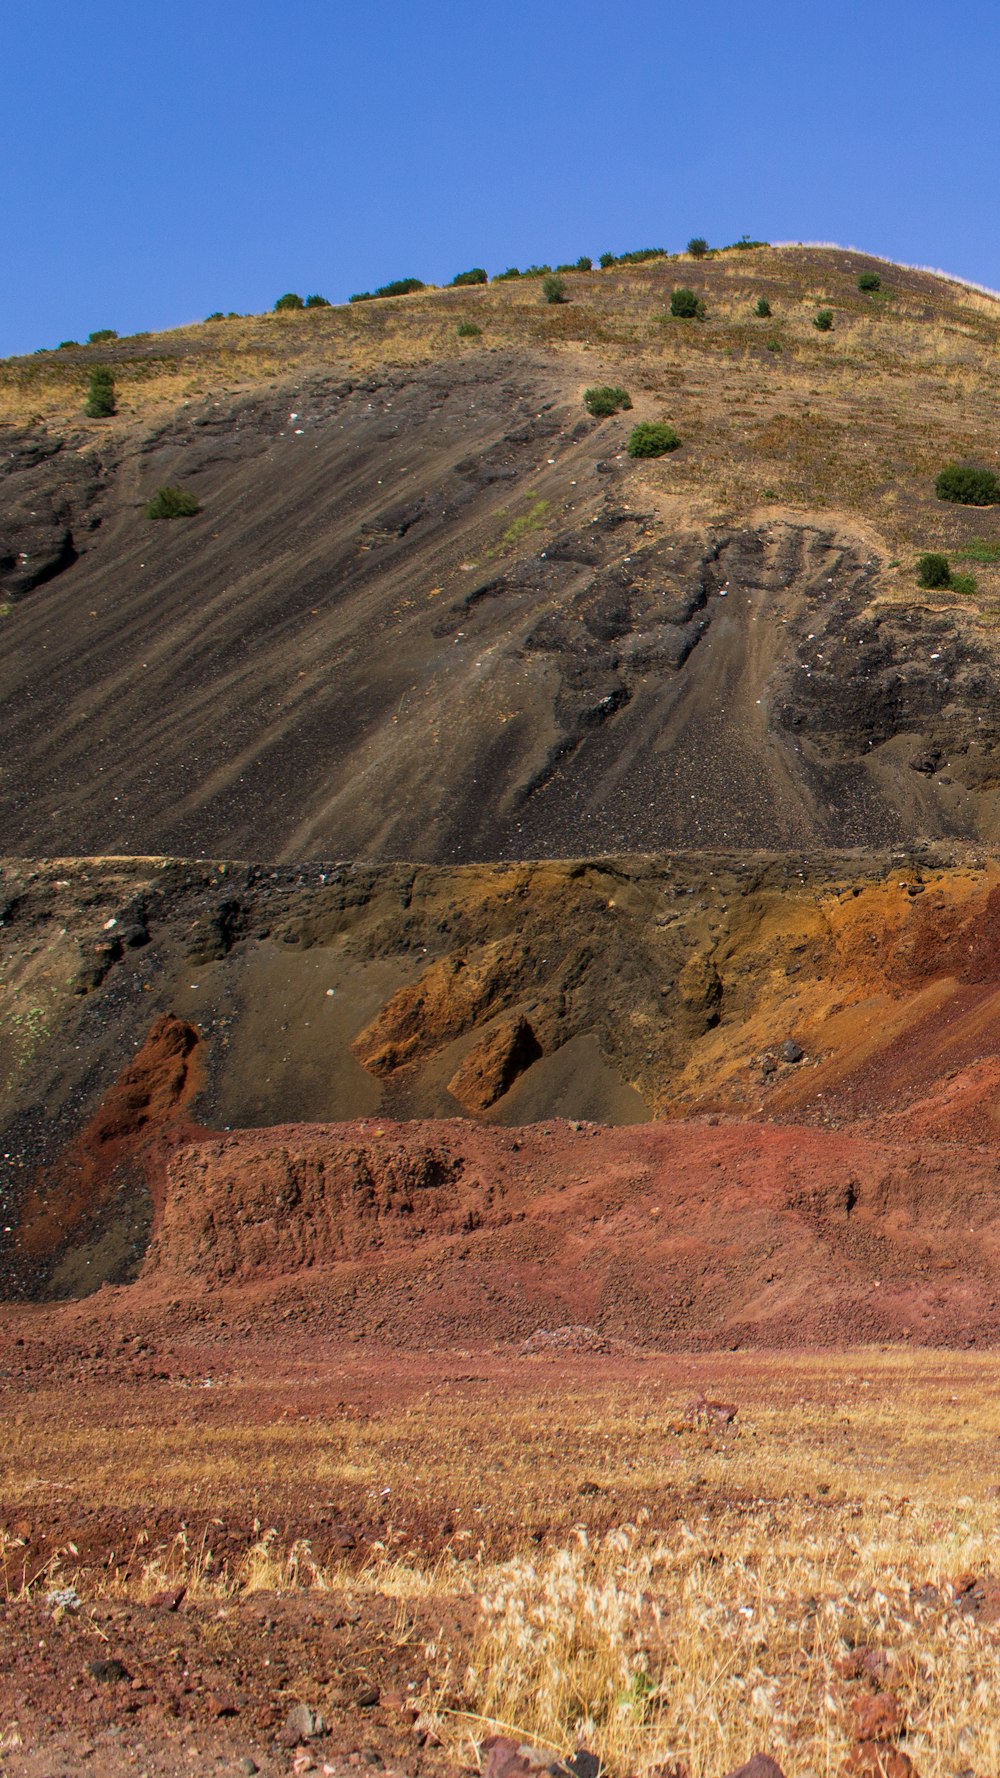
<point x="493" y="1064"/>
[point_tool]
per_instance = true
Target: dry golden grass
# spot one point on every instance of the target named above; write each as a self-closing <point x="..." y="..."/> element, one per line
<point x="693" y="1602"/>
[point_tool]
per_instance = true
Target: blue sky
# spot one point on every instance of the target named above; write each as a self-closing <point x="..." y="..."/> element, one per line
<point x="163" y="162"/>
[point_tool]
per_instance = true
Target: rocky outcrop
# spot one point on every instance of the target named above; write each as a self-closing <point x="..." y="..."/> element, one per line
<point x="493" y="1064"/>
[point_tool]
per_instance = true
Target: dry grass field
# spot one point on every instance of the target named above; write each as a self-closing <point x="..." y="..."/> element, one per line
<point x="543" y="1546"/>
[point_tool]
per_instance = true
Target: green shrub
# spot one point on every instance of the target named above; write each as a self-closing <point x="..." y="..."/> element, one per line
<point x="933" y="569"/>
<point x="317" y="302"/>
<point x="467" y="330"/>
<point x="652" y="438"/>
<point x="511" y="272"/>
<point x="685" y="304"/>
<point x="606" y="260"/>
<point x="965" y="584"/>
<point x="536" y="271"/>
<point x="400" y="287"/>
<point x="477" y="275"/>
<point x="606" y="399"/>
<point x="981" y="550"/>
<point x="967" y="486"/>
<point x="216" y="315"/>
<point x="697" y="247"/>
<point x="584" y="263"/>
<point x="64" y="343"/>
<point x="289" y="301"/>
<point x="553" y="289"/>
<point x="869" y="281"/>
<point x="763" y="308"/>
<point x="172" y="503"/>
<point x="823" y="319"/>
<point x="100" y="402"/>
<point x="103" y="333"/>
<point x="773" y="345"/>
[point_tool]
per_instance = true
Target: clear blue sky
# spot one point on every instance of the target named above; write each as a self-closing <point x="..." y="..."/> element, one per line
<point x="165" y="161"/>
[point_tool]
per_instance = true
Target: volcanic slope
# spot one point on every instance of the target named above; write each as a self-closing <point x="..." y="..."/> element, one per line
<point x="431" y="610"/>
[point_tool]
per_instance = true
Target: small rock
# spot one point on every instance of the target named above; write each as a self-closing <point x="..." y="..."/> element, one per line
<point x="219" y="1706"/>
<point x="171" y="1600"/>
<point x="367" y="1697"/>
<point x="877" y="1717"/>
<point x="760" y="1766"/>
<point x="584" y="1764"/>
<point x="301" y="1724"/>
<point x="507" y="1758"/>
<point x="247" y="1765"/>
<point x="107" y="1672"/>
<point x="790" y="1052"/>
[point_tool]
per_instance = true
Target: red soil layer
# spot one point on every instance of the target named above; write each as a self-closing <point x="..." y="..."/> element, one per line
<point x="703" y="1233"/>
<point x="117" y="1142"/>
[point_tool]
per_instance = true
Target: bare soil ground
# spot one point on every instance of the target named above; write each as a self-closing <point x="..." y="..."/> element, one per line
<point x="248" y="1524"/>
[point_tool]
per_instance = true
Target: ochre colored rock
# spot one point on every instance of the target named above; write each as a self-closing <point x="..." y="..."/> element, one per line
<point x="492" y="1065"/>
<point x="453" y="994"/>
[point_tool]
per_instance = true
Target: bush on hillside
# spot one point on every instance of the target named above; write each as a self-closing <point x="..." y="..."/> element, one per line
<point x="697" y="247"/>
<point x="100" y="402"/>
<point x="511" y="272"/>
<point x="964" y="584"/>
<point x="289" y="301"/>
<point x="606" y="260"/>
<point x="763" y="308"/>
<point x="399" y="287"/>
<point x="553" y="289"/>
<point x="933" y="569"/>
<point x="467" y="330"/>
<point x="584" y="263"/>
<point x="477" y="275"/>
<point x="317" y="302"/>
<point x="823" y="319"/>
<point x="102" y="333"/>
<point x="172" y="503"/>
<point x="606" y="399"/>
<point x="216" y="315"/>
<point x="652" y="438"/>
<point x="869" y="281"/>
<point x="967" y="486"/>
<point x="685" y="304"/>
<point x="64" y="343"/>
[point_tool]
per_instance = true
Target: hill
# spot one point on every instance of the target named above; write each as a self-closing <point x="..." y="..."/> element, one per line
<point x="450" y="761"/>
<point x="431" y="610"/>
